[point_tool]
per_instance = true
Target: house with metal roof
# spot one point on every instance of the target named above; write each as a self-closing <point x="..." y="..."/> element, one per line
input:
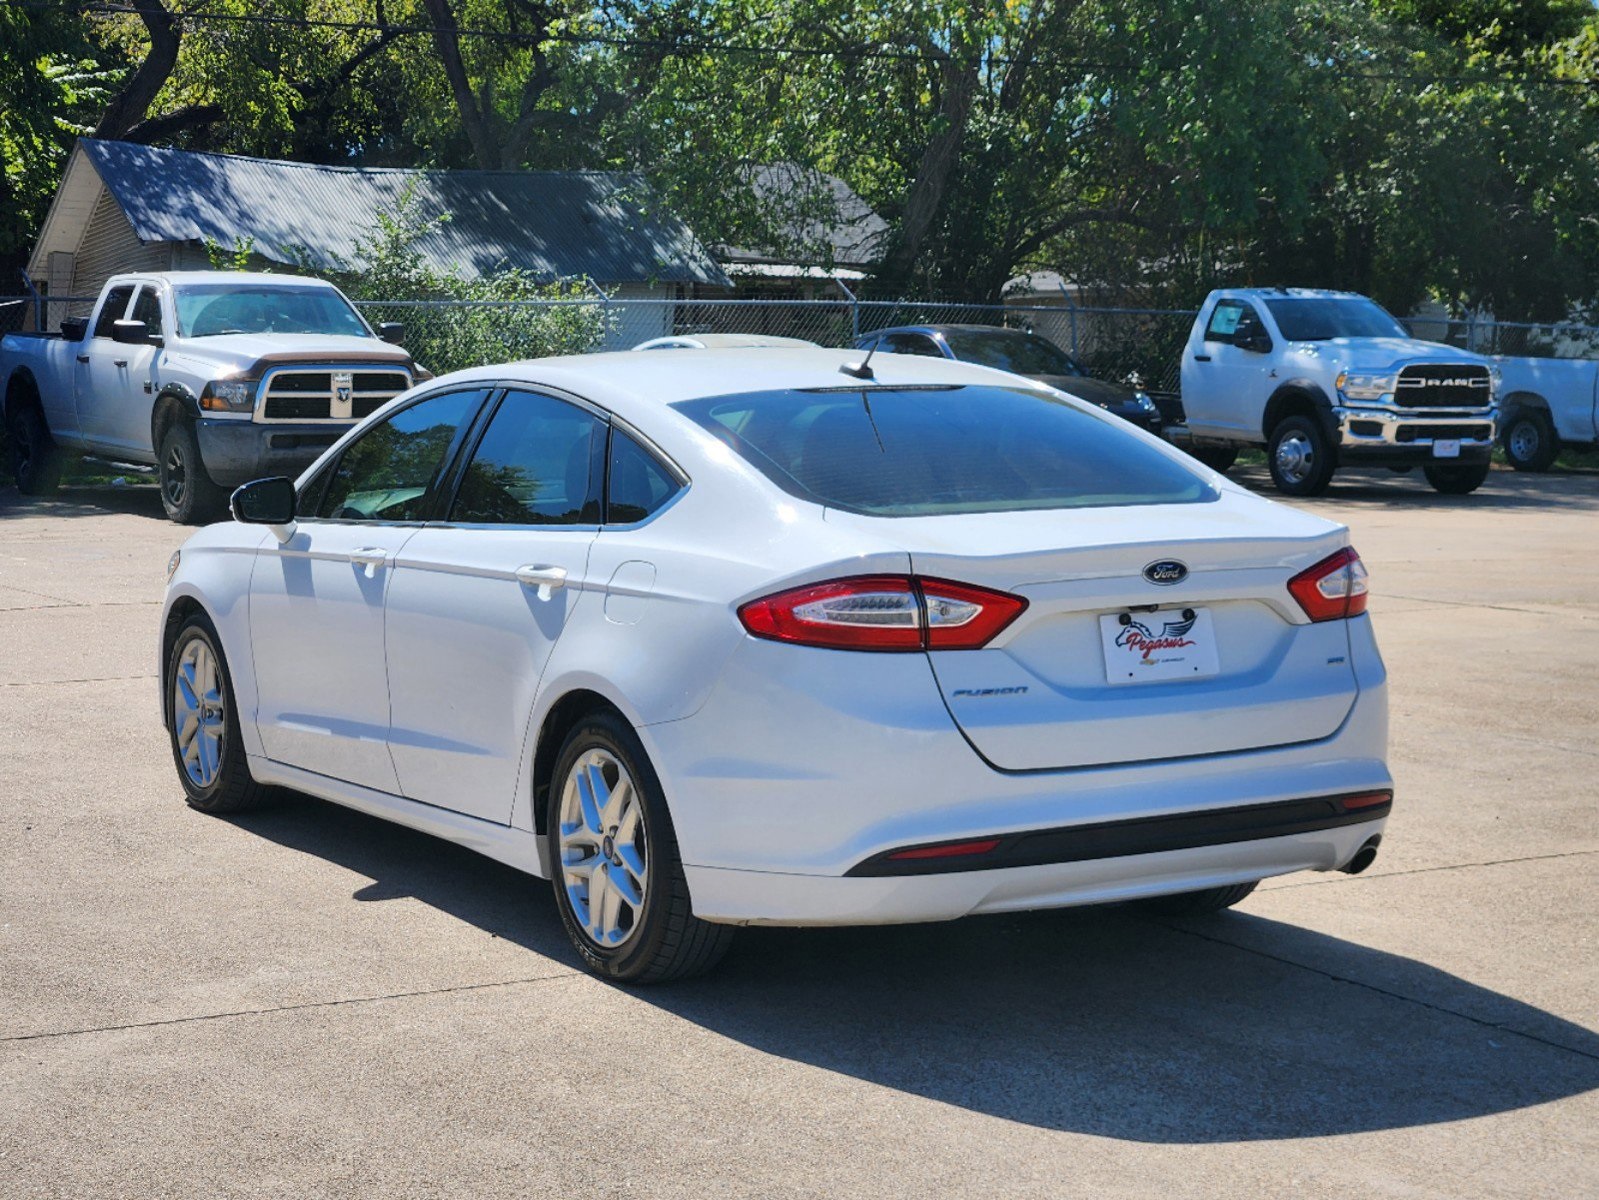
<point x="820" y="234"/>
<point x="124" y="207"/>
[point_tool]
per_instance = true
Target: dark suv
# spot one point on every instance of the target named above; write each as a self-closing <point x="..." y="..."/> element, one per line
<point x="1020" y="353"/>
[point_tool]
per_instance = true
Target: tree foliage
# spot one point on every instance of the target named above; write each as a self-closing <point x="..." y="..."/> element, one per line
<point x="1146" y="149"/>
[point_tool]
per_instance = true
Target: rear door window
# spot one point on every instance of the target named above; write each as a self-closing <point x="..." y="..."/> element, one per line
<point x="540" y="462"/>
<point x="914" y="451"/>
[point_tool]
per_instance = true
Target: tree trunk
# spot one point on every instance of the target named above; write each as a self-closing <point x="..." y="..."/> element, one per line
<point x="925" y="198"/>
<point x="128" y="107"/>
<point x="447" y="41"/>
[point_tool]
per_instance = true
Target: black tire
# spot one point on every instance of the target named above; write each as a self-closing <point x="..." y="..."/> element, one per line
<point x="232" y="788"/>
<point x="666" y="940"/>
<point x="35" y="461"/>
<point x="1530" y="441"/>
<point x="187" y="492"/>
<point x="1456" y="479"/>
<point x="1217" y="458"/>
<point x="1197" y="904"/>
<point x="1301" y="457"/>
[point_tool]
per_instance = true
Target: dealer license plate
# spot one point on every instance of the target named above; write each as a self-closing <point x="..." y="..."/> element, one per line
<point x="1174" y="643"/>
<point x="1446" y="448"/>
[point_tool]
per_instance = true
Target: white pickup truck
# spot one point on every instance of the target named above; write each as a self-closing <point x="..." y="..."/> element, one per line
<point x="1548" y="403"/>
<point x="1325" y="379"/>
<point x="213" y="378"/>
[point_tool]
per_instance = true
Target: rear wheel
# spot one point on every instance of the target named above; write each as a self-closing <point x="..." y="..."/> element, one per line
<point x="187" y="492"/>
<point x="1300" y="456"/>
<point x="35" y="461"/>
<point x="1194" y="904"/>
<point x="619" y="883"/>
<point x="203" y="724"/>
<point x="1217" y="458"/>
<point x="1456" y="479"/>
<point x="1530" y="442"/>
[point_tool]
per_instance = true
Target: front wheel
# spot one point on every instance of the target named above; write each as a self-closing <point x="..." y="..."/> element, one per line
<point x="1455" y="479"/>
<point x="35" y="461"/>
<point x="619" y="882"/>
<point x="1301" y="457"/>
<point x="1530" y="442"/>
<point x="187" y="492"/>
<point x="204" y="724"/>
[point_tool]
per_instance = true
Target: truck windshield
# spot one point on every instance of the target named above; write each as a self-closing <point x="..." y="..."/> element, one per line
<point x="211" y="309"/>
<point x="1316" y="319"/>
<point x="926" y="450"/>
<point x="1010" y="350"/>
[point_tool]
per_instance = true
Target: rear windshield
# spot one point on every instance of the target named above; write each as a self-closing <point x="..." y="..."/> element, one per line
<point x="1010" y="350"/>
<point x="905" y="452"/>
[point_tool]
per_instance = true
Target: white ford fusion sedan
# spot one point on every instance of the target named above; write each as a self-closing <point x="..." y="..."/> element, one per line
<point x="760" y="636"/>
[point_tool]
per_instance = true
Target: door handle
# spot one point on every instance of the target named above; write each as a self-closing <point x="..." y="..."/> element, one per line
<point x="121" y="362"/>
<point x="548" y="580"/>
<point x="83" y="358"/>
<point x="370" y="557"/>
<point x="1201" y="358"/>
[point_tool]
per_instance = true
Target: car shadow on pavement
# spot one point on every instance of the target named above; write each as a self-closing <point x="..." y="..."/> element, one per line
<point x="90" y="500"/>
<point x="1099" y="1021"/>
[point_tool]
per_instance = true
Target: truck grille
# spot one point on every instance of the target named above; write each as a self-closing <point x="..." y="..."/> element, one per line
<point x="320" y="394"/>
<point x="1443" y="386"/>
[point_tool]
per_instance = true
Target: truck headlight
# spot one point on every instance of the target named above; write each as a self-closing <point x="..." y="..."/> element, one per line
<point x="1365" y="387"/>
<point x="1145" y="404"/>
<point x="228" y="395"/>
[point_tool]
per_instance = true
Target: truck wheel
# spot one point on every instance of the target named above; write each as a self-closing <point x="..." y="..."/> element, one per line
<point x="1456" y="479"/>
<point x="1217" y="458"/>
<point x="35" y="461"/>
<point x="1530" y="442"/>
<point x="187" y="492"/>
<point x="1300" y="457"/>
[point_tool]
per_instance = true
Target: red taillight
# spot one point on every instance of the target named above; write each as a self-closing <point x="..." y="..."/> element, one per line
<point x="1333" y="588"/>
<point x="883" y="612"/>
<point x="948" y="850"/>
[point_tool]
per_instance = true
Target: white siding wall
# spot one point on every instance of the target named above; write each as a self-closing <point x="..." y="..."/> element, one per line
<point x="110" y="247"/>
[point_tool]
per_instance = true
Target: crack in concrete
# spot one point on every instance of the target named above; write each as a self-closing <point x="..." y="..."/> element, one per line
<point x="56" y="682"/>
<point x="1367" y="877"/>
<point x="1561" y="614"/>
<point x="283" y="1008"/>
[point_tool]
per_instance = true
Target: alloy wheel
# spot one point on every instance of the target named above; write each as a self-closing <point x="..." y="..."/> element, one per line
<point x="604" y="859"/>
<point x="199" y="712"/>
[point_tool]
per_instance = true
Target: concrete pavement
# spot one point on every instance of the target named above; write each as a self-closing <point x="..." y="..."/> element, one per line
<point x="309" y="1002"/>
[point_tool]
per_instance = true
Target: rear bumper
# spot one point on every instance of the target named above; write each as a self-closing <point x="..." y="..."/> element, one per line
<point x="236" y="452"/>
<point x="761" y="898"/>
<point x="801" y="767"/>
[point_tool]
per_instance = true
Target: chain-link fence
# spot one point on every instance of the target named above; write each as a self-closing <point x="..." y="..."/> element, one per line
<point x="1140" y="346"/>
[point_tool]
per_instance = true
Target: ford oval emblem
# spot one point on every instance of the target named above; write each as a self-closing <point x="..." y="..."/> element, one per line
<point x="1167" y="570"/>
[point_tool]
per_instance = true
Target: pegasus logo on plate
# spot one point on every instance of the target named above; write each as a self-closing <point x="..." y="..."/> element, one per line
<point x="1167" y="570"/>
<point x="1144" y="641"/>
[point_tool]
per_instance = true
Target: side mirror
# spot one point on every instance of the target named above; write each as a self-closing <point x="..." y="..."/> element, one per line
<point x="266" y="502"/>
<point x="1255" y="343"/>
<point x="391" y="331"/>
<point x="131" y="333"/>
<point x="74" y="329"/>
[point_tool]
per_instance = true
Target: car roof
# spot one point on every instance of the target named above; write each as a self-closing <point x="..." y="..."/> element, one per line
<point x="712" y="341"/>
<point x="949" y="327"/>
<point x="244" y="278"/>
